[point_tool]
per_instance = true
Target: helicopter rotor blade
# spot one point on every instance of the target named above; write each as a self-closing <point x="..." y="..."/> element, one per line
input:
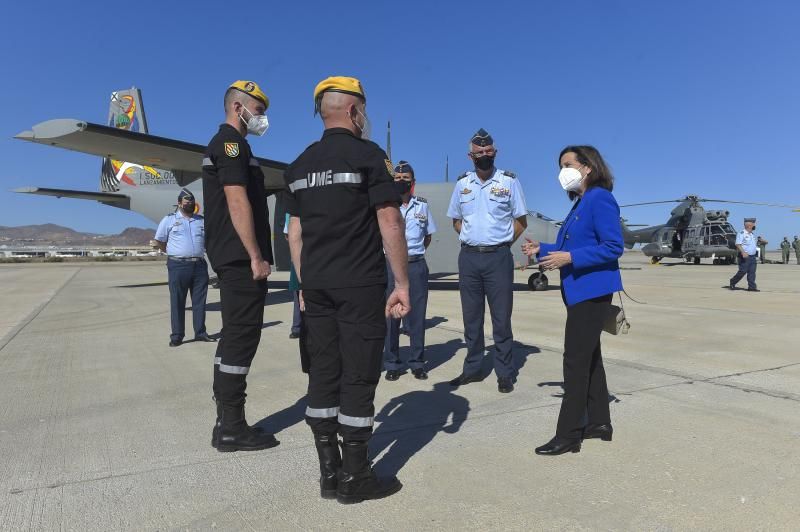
<point x="750" y="203"/>
<point x="652" y="203"/>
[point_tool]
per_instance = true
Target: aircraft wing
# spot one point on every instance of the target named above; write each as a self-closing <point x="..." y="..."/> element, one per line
<point x="117" y="200"/>
<point x="183" y="158"/>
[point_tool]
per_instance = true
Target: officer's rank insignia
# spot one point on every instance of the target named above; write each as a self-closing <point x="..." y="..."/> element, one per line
<point x="389" y="166"/>
<point x="466" y="191"/>
<point x="232" y="149"/>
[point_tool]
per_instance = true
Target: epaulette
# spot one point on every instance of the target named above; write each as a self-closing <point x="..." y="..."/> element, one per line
<point x="420" y="198"/>
<point x="510" y="174"/>
<point x="462" y="176"/>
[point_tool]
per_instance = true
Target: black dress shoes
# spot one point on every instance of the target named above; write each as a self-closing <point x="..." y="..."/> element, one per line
<point x="294" y="335"/>
<point x="175" y="343"/>
<point x="753" y="290"/>
<point x="504" y="385"/>
<point x="393" y="374"/>
<point x="420" y="374"/>
<point x="465" y="379"/>
<point x="604" y="431"/>
<point x="204" y="338"/>
<point x="559" y="446"/>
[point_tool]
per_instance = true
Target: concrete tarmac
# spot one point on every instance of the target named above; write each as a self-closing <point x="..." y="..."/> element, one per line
<point x="105" y="427"/>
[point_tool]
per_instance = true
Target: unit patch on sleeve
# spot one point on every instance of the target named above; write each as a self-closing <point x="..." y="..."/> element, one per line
<point x="232" y="149"/>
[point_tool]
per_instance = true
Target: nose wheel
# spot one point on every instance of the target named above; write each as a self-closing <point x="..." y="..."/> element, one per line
<point x="538" y="282"/>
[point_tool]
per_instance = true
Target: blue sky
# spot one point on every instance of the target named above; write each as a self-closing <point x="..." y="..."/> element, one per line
<point x="680" y="97"/>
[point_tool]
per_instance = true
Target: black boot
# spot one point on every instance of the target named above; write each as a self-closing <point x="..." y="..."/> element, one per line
<point x="357" y="481"/>
<point x="330" y="461"/>
<point x="215" y="431"/>
<point x="235" y="435"/>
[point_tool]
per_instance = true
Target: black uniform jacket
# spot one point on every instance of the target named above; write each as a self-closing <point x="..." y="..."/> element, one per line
<point x="334" y="187"/>
<point x="229" y="161"/>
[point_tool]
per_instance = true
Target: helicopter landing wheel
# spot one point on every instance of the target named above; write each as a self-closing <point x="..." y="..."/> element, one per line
<point x="697" y="260"/>
<point x="538" y="282"/>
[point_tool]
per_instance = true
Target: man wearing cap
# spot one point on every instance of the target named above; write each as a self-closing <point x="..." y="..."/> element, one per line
<point x="182" y="235"/>
<point x="796" y="246"/>
<point x="489" y="214"/>
<point x="344" y="215"/>
<point x="419" y="228"/>
<point x="786" y="247"/>
<point x="746" y="244"/>
<point x="238" y="243"/>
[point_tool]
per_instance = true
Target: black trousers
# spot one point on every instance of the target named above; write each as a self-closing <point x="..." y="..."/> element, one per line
<point x="585" y="387"/>
<point x="242" y="302"/>
<point x="746" y="266"/>
<point x="345" y="331"/>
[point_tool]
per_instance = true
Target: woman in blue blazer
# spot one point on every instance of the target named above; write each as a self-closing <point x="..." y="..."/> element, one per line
<point x="586" y="252"/>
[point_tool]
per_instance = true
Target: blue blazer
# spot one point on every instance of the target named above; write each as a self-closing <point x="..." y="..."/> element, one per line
<point x="592" y="234"/>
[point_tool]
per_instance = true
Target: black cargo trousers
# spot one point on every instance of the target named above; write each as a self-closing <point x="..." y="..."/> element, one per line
<point x="242" y="302"/>
<point x="345" y="329"/>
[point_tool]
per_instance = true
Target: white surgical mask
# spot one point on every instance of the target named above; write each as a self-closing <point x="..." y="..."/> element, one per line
<point x="365" y="127"/>
<point x="257" y="124"/>
<point x="570" y="179"/>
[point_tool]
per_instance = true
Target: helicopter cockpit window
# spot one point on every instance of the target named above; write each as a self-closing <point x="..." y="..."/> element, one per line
<point x="716" y="230"/>
<point x="729" y="229"/>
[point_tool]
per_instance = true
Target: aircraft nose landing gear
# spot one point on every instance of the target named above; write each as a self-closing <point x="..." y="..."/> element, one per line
<point x="538" y="282"/>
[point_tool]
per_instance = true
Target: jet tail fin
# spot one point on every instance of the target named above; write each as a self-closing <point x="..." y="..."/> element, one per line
<point x="125" y="111"/>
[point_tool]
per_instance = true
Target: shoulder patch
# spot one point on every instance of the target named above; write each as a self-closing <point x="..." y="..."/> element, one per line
<point x="232" y="149"/>
<point x="421" y="199"/>
<point x="510" y="174"/>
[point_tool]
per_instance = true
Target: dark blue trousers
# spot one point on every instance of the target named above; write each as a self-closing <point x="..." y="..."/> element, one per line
<point x="487" y="277"/>
<point x="414" y="322"/>
<point x="187" y="277"/>
<point x="746" y="266"/>
<point x="297" y="316"/>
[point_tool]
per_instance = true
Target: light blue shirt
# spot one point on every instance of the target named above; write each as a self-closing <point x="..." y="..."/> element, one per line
<point x="185" y="237"/>
<point x="419" y="224"/>
<point x="487" y="210"/>
<point x="747" y="241"/>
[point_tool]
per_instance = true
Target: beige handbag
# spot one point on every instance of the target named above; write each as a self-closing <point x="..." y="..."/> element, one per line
<point x="616" y="321"/>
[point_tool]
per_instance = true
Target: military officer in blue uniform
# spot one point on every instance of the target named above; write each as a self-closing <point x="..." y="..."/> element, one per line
<point x="746" y="244"/>
<point x="489" y="214"/>
<point x="182" y="235"/>
<point x="419" y="228"/>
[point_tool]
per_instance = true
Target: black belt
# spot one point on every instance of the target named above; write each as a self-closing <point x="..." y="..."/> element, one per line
<point x="415" y="258"/>
<point x="484" y="249"/>
<point x="185" y="259"/>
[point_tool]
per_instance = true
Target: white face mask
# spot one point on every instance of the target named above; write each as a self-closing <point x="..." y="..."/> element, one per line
<point x="365" y="127"/>
<point x="570" y="179"/>
<point x="256" y="124"/>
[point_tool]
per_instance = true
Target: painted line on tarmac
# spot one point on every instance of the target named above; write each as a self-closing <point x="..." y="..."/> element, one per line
<point x="38" y="310"/>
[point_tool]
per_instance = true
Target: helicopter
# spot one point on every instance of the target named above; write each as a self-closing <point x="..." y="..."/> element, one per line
<point x="691" y="233"/>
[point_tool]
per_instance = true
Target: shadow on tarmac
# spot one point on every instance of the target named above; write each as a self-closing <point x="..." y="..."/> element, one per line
<point x="411" y="421"/>
<point x="283" y="419"/>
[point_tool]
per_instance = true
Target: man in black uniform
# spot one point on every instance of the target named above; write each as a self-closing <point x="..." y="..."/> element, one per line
<point x="238" y="246"/>
<point x="344" y="214"/>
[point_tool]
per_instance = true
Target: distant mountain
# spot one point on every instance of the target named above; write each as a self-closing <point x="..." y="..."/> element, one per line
<point x="56" y="235"/>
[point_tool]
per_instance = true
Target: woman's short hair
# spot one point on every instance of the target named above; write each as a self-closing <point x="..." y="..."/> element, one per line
<point x="600" y="176"/>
